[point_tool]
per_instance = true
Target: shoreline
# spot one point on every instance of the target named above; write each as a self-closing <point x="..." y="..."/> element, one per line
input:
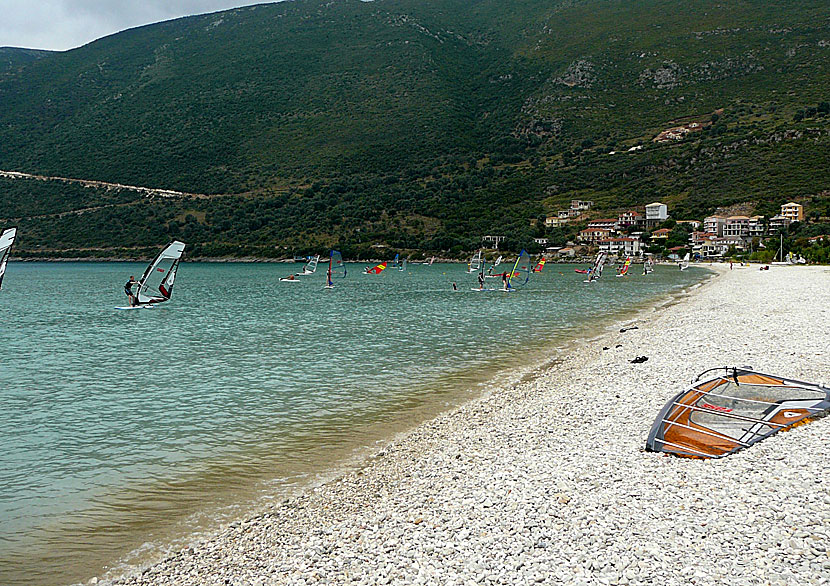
<point x="340" y="512"/>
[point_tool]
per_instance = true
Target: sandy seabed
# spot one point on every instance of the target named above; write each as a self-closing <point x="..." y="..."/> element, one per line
<point x="545" y="481"/>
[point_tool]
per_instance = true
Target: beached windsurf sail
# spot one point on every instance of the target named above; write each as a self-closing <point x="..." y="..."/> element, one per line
<point x="375" y="270"/>
<point x="337" y="268"/>
<point x="624" y="269"/>
<point x="684" y="264"/>
<point x="596" y="269"/>
<point x="520" y="274"/>
<point x="311" y="265"/>
<point x="6" y="242"/>
<point x="476" y="262"/>
<point x="540" y="265"/>
<point x="733" y="410"/>
<point x="156" y="285"/>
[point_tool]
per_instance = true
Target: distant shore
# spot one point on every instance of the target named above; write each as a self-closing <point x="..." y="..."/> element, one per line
<point x="545" y="481"/>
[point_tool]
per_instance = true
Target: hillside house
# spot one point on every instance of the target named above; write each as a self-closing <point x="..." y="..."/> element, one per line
<point x="594" y="235"/>
<point x="620" y="246"/>
<point x="794" y="212"/>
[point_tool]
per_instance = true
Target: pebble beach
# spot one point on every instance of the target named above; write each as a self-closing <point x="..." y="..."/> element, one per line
<point x="546" y="481"/>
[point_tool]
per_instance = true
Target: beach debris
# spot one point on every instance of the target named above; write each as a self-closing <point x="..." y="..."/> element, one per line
<point x="623" y="330"/>
<point x="733" y="410"/>
<point x="639" y="360"/>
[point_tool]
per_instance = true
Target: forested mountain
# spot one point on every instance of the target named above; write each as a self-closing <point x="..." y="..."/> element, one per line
<point x="421" y="124"/>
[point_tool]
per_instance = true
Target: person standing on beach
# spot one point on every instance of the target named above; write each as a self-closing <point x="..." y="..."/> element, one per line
<point x="128" y="289"/>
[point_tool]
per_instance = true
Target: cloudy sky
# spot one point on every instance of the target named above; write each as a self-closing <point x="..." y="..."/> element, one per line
<point x="65" y="24"/>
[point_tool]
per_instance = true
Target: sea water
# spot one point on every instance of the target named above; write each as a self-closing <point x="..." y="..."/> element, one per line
<point x="124" y="432"/>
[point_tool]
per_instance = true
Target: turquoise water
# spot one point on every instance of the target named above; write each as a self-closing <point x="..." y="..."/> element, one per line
<point x="126" y="429"/>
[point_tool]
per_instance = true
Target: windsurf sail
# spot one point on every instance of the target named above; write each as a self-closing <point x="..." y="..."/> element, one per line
<point x="684" y="264"/>
<point x="156" y="285"/>
<point x="396" y="262"/>
<point x="520" y="274"/>
<point x="6" y="242"/>
<point x="648" y="266"/>
<point x="733" y="410"/>
<point x="402" y="266"/>
<point x="498" y="261"/>
<point x="431" y="260"/>
<point x="596" y="268"/>
<point x="337" y="268"/>
<point x="624" y="269"/>
<point x="376" y="270"/>
<point x="311" y="265"/>
<point x="476" y="262"/>
<point x="540" y="265"/>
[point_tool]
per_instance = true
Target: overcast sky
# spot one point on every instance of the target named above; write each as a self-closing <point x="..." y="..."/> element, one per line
<point x="66" y="24"/>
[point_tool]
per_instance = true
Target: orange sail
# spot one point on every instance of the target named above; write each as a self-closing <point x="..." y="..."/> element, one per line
<point x="538" y="268"/>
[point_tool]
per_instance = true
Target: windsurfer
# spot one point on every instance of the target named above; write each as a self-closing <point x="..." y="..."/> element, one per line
<point x="128" y="289"/>
<point x="481" y="280"/>
<point x="504" y="281"/>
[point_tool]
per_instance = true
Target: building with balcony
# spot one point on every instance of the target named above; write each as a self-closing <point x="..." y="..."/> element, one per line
<point x="794" y="212"/>
<point x="594" y="235"/>
<point x="657" y="212"/>
<point x="621" y="246"/>
<point x="714" y="225"/>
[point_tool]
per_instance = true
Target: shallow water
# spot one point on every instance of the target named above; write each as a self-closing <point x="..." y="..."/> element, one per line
<point x="127" y="429"/>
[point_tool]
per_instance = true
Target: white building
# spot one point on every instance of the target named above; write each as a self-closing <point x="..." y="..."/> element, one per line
<point x="736" y="227"/>
<point x="714" y="225"/>
<point x="620" y="246"/>
<point x="657" y="212"/>
<point x="578" y="204"/>
<point x="494" y="240"/>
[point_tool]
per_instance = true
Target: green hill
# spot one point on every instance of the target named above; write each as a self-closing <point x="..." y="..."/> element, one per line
<point x="421" y="125"/>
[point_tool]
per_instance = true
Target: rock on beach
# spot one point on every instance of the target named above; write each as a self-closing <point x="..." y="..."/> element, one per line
<point x="545" y="481"/>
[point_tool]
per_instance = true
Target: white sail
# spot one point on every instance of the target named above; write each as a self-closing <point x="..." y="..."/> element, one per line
<point x="6" y="241"/>
<point x="156" y="285"/>
<point x="596" y="270"/>
<point x="311" y="265"/>
<point x="476" y="262"/>
<point x="685" y="263"/>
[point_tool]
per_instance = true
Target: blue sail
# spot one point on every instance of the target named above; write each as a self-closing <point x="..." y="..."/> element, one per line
<point x="520" y="274"/>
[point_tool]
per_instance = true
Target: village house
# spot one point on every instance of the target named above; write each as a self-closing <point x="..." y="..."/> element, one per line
<point x="604" y="224"/>
<point x="629" y="218"/>
<point x="660" y="235"/>
<point x="756" y="227"/>
<point x="578" y="204"/>
<point x="494" y="240"/>
<point x="620" y="246"/>
<point x="714" y="225"/>
<point x="736" y="226"/>
<point x="793" y="212"/>
<point x="568" y="251"/>
<point x="594" y="235"/>
<point x="693" y="223"/>
<point x="541" y="241"/>
<point x="778" y="223"/>
<point x="553" y="221"/>
<point x="698" y="238"/>
<point x="656" y="213"/>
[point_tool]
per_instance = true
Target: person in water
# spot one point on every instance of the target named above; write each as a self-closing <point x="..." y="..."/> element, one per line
<point x="128" y="289"/>
<point x="481" y="280"/>
<point x="504" y="281"/>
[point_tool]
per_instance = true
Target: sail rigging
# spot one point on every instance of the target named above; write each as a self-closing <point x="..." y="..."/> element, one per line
<point x="337" y="268"/>
<point x="6" y="242"/>
<point x="311" y="265"/>
<point x="476" y="262"/>
<point x="624" y="269"/>
<point x="156" y="284"/>
<point x="648" y="266"/>
<point x="596" y="269"/>
<point x="520" y="274"/>
<point x="540" y="265"/>
<point x="684" y="264"/>
<point x="721" y="415"/>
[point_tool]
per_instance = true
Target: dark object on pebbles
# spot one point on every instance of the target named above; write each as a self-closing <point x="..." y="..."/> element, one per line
<point x="623" y="330"/>
<point x="639" y="359"/>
